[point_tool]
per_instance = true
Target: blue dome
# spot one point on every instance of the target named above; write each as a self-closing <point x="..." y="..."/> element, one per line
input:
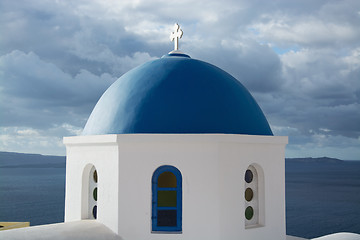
<point x="177" y="94"/>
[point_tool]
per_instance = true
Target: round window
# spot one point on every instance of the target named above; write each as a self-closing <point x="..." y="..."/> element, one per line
<point x="94" y="211"/>
<point x="249" y="213"/>
<point x="249" y="194"/>
<point x="95" y="194"/>
<point x="248" y="176"/>
<point x="95" y="176"/>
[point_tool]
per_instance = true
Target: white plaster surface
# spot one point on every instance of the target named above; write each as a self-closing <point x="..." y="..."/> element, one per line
<point x="79" y="230"/>
<point x="212" y="167"/>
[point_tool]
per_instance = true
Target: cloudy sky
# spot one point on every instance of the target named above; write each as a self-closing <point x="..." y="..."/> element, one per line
<point x="299" y="59"/>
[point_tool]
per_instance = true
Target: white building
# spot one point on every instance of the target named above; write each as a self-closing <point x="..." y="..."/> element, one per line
<point x="181" y="151"/>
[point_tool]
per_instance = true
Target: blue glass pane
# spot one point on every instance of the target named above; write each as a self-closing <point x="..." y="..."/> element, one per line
<point x="166" y="218"/>
<point x="94" y="211"/>
<point x="248" y="176"/>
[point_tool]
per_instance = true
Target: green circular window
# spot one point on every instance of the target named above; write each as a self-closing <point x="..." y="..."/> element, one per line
<point x="95" y="176"/>
<point x="249" y="213"/>
<point x="249" y="194"/>
<point x="95" y="194"/>
<point x="248" y="176"/>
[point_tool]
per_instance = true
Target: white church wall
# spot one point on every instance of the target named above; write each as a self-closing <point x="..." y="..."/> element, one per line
<point x="81" y="154"/>
<point x="260" y="151"/>
<point x="196" y="160"/>
<point x="212" y="168"/>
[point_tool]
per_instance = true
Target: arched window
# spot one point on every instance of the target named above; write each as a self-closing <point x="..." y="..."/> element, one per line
<point x="251" y="196"/>
<point x="167" y="200"/>
<point x="93" y="190"/>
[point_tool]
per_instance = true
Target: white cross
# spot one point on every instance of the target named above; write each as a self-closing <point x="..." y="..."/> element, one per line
<point x="176" y="35"/>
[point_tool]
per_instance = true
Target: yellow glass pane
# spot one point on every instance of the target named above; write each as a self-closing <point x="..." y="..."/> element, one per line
<point x="249" y="194"/>
<point x="166" y="198"/>
<point x="95" y="177"/>
<point x="167" y="180"/>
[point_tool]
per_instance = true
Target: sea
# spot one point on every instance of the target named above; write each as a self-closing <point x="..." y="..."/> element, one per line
<point x="321" y="197"/>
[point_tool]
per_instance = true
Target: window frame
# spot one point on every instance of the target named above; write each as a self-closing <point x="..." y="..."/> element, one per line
<point x="155" y="208"/>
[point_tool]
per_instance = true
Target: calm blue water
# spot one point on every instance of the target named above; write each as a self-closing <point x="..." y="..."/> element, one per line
<point x="35" y="195"/>
<point x="321" y="198"/>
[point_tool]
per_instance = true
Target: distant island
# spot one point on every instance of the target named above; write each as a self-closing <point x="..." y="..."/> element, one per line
<point x="12" y="159"/>
<point x="15" y="160"/>
<point x="314" y="160"/>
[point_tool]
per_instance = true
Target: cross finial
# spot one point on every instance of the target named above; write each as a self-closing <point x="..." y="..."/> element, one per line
<point x="176" y="35"/>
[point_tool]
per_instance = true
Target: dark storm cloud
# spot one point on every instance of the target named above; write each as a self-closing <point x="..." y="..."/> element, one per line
<point x="38" y="94"/>
<point x="254" y="65"/>
<point x="322" y="92"/>
<point x="59" y="32"/>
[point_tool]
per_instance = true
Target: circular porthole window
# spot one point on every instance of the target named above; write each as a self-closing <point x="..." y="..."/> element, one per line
<point x="94" y="211"/>
<point x="92" y="193"/>
<point x="249" y="213"/>
<point x="95" y="194"/>
<point x="248" y="176"/>
<point x="95" y="177"/>
<point x="249" y="194"/>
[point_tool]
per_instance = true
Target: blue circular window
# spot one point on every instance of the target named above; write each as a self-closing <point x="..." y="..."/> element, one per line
<point x="249" y="176"/>
<point x="94" y="211"/>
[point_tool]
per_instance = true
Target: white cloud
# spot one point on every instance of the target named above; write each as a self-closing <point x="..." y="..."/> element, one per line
<point x="308" y="31"/>
<point x="30" y="141"/>
<point x="27" y="132"/>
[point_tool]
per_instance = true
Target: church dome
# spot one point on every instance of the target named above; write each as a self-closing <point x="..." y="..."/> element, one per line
<point x="180" y="95"/>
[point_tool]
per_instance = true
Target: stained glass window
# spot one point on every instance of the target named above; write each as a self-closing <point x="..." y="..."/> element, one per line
<point x="167" y="200"/>
<point x="95" y="177"/>
<point x="248" y="176"/>
<point x="249" y="194"/>
<point x="249" y="213"/>
<point x="167" y="179"/>
<point x="95" y="194"/>
<point x="94" y="211"/>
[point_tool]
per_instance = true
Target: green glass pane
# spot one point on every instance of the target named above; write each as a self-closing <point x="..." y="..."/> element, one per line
<point x="166" y="198"/>
<point x="95" y="194"/>
<point x="167" y="180"/>
<point x="249" y="213"/>
<point x="249" y="194"/>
